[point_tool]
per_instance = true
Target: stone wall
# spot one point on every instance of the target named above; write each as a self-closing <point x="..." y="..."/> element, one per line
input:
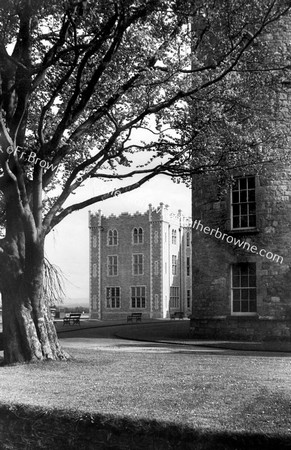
<point x="213" y="257"/>
<point x="242" y="329"/>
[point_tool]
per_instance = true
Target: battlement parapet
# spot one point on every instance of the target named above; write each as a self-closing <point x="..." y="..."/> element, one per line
<point x="157" y="213"/>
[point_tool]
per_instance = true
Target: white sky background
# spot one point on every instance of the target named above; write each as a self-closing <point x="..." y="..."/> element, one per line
<point x="67" y="246"/>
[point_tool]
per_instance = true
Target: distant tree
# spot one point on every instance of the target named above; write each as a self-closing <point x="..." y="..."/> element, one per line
<point x="78" y="78"/>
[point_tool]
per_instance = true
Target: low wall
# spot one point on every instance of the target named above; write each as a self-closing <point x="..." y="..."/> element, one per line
<point x="241" y="328"/>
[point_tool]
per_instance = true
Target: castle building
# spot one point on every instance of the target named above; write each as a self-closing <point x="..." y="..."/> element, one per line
<point x="241" y="243"/>
<point x="140" y="263"/>
<point x="242" y="259"/>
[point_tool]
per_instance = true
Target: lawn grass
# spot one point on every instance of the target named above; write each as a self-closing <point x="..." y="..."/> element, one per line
<point x="223" y="393"/>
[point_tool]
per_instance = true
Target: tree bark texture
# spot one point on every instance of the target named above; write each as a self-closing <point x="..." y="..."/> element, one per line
<point x="28" y="330"/>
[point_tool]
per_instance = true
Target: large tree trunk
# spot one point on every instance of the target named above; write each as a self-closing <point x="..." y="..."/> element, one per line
<point x="28" y="330"/>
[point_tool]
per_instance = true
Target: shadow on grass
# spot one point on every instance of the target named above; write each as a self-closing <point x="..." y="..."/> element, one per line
<point x="267" y="408"/>
<point x="25" y="427"/>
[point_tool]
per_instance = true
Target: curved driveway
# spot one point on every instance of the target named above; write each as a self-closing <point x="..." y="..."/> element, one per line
<point x="153" y="336"/>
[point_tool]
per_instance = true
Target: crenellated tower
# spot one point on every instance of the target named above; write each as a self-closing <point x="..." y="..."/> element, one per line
<point x="140" y="263"/>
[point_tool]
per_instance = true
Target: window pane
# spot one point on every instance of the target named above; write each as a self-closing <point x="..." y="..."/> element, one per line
<point x="253" y="306"/>
<point x="244" y="306"/>
<point x="236" y="210"/>
<point x="243" y="196"/>
<point x="244" y="281"/>
<point x="243" y="183"/>
<point x="244" y="294"/>
<point x="235" y="197"/>
<point x="252" y="221"/>
<point x="235" y="222"/>
<point x="236" y="270"/>
<point x="235" y="185"/>
<point x="244" y="268"/>
<point x="252" y="196"/>
<point x="252" y="268"/>
<point x="244" y="209"/>
<point x="244" y="221"/>
<point x="236" y="281"/>
<point x="243" y="203"/>
<point x="251" y="182"/>
<point x="236" y="294"/>
<point x="236" y="306"/>
<point x="252" y="208"/>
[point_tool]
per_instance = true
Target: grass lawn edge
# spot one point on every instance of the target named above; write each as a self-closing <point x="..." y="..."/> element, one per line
<point x="54" y="424"/>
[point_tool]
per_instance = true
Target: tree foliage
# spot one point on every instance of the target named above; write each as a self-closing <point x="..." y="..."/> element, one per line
<point x="79" y="77"/>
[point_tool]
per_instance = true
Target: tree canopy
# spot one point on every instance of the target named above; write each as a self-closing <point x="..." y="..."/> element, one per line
<point x="79" y="76"/>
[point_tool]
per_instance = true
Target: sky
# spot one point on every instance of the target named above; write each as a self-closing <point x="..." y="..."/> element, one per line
<point x="67" y="246"/>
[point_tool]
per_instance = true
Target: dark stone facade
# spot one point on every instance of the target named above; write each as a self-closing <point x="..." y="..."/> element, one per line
<point x="214" y="257"/>
<point x="266" y="248"/>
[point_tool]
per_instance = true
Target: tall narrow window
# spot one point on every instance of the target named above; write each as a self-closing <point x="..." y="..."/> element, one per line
<point x="138" y="297"/>
<point x="156" y="267"/>
<point x="174" y="237"/>
<point x="188" y="298"/>
<point x="243" y="199"/>
<point x="113" y="297"/>
<point x="137" y="264"/>
<point x="94" y="301"/>
<point x="112" y="237"/>
<point x="112" y="265"/>
<point x="174" y="265"/>
<point x="174" y="297"/>
<point x="188" y="266"/>
<point x="137" y="235"/>
<point x="244" y="292"/>
<point x="188" y="238"/>
<point x="156" y="301"/>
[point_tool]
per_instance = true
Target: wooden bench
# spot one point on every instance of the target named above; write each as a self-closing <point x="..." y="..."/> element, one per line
<point x="136" y="316"/>
<point x="177" y="314"/>
<point x="72" y="319"/>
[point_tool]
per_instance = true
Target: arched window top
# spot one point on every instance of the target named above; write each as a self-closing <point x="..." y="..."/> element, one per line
<point x="137" y="235"/>
<point x="112" y="237"/>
